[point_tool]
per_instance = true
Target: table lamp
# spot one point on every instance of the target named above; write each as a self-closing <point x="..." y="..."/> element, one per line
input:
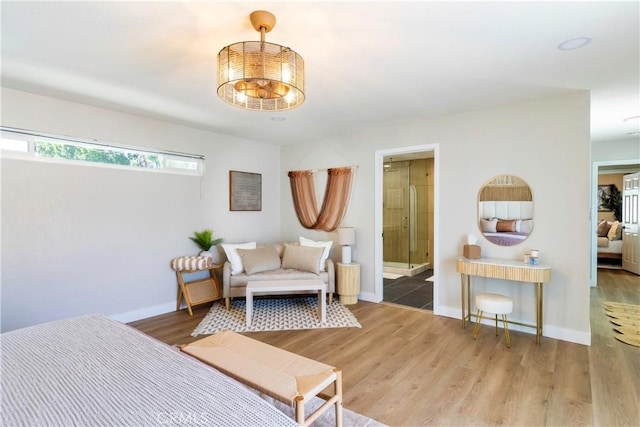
<point x="346" y="238"/>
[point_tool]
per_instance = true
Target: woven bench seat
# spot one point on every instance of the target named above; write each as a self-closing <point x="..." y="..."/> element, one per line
<point x="191" y="263"/>
<point x="283" y="375"/>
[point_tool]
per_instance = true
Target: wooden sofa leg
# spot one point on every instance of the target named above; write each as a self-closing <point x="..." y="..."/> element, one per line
<point x="330" y="297"/>
<point x="226" y="303"/>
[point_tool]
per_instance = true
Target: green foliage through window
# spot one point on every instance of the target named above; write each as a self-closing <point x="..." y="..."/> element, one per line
<point x="74" y="152"/>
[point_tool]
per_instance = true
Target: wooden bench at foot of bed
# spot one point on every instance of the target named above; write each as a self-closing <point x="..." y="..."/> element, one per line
<point x="283" y="375"/>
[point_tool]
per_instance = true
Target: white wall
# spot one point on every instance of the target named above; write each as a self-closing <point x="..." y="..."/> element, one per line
<point x="134" y="216"/>
<point x="623" y="149"/>
<point x="546" y="142"/>
<point x="78" y="239"/>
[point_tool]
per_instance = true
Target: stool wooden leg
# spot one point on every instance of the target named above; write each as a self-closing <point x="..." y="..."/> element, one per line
<point x="476" y="328"/>
<point x="506" y="330"/>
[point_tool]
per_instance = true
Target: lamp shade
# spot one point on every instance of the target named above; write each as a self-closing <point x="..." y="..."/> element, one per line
<point x="346" y="236"/>
<point x="261" y="76"/>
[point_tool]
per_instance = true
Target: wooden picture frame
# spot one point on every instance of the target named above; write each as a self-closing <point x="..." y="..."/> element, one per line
<point x="604" y="192"/>
<point x="245" y="191"/>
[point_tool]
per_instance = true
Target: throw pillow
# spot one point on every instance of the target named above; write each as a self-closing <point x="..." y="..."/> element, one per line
<point x="526" y="226"/>
<point x="231" y="249"/>
<point x="613" y="231"/>
<point x="303" y="258"/>
<point x="325" y="254"/>
<point x="603" y="228"/>
<point x="488" y="225"/>
<point x="259" y="259"/>
<point x="505" y="226"/>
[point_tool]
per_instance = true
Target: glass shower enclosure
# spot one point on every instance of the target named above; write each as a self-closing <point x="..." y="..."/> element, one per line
<point x="407" y="216"/>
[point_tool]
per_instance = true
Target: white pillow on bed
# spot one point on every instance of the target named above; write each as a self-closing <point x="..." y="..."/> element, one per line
<point x="488" y="225"/>
<point x="231" y="249"/>
<point x="526" y="226"/>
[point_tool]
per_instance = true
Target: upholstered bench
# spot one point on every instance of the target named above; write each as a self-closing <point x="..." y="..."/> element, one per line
<point x="283" y="375"/>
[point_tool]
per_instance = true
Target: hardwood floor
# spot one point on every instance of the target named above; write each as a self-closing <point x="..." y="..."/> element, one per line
<point x="406" y="367"/>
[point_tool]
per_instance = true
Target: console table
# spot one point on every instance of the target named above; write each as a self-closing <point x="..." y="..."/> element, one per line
<point x="505" y="269"/>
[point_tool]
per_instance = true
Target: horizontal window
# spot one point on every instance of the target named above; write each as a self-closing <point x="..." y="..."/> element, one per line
<point x="46" y="146"/>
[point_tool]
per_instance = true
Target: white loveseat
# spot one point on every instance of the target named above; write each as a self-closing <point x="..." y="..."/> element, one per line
<point x="275" y="261"/>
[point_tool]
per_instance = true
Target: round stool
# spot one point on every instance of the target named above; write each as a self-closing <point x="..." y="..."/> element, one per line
<point x="496" y="304"/>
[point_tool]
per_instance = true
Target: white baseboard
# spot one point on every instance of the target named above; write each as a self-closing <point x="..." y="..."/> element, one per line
<point x="555" y="332"/>
<point x="368" y="296"/>
<point x="143" y="313"/>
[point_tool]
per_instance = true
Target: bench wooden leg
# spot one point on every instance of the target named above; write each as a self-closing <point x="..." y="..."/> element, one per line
<point x="338" y="392"/>
<point x="179" y="298"/>
<point x="300" y="410"/>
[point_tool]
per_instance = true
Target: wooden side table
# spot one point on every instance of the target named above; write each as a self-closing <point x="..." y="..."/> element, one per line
<point x="198" y="291"/>
<point x="348" y="282"/>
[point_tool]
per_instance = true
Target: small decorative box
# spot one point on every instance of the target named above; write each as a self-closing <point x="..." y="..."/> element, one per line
<point x="471" y="251"/>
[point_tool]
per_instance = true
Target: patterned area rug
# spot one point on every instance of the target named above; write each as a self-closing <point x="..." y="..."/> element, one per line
<point x="275" y="314"/>
<point x="626" y="317"/>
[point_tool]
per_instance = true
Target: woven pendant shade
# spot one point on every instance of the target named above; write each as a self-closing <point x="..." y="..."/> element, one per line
<point x="261" y="76"/>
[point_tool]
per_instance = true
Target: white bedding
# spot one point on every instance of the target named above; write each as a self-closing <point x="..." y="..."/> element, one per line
<point x="92" y="371"/>
<point x="614" y="247"/>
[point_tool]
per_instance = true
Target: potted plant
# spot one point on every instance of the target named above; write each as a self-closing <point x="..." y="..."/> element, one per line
<point x="613" y="201"/>
<point x="204" y="240"/>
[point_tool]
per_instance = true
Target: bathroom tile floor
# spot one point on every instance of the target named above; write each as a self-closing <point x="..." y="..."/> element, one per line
<point x="412" y="291"/>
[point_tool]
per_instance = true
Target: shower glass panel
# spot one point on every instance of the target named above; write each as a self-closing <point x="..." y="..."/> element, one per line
<point x="405" y="218"/>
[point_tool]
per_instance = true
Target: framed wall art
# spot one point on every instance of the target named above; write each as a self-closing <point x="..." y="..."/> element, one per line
<point x="245" y="191"/>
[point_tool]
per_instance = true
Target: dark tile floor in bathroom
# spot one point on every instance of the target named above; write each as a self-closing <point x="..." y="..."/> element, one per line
<point x="412" y="291"/>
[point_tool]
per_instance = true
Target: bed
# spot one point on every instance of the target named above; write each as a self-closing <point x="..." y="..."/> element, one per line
<point x="93" y="371"/>
<point x="506" y="223"/>
<point x="505" y="238"/>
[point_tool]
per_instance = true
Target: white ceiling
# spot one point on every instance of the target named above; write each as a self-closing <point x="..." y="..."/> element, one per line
<point x="368" y="64"/>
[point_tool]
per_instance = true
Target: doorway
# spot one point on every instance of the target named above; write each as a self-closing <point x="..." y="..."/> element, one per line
<point x="407" y="218"/>
<point x="605" y="173"/>
<point x="407" y="215"/>
<point x="406" y="230"/>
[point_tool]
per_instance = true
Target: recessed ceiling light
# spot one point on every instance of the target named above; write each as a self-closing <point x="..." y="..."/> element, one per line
<point x="278" y="119"/>
<point x="573" y="44"/>
<point x="630" y="118"/>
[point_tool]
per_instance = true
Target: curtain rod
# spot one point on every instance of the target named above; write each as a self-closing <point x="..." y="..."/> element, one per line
<point x="325" y="169"/>
<point x="96" y="142"/>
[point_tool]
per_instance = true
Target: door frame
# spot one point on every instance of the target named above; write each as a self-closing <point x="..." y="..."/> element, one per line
<point x="595" y="168"/>
<point x="378" y="213"/>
